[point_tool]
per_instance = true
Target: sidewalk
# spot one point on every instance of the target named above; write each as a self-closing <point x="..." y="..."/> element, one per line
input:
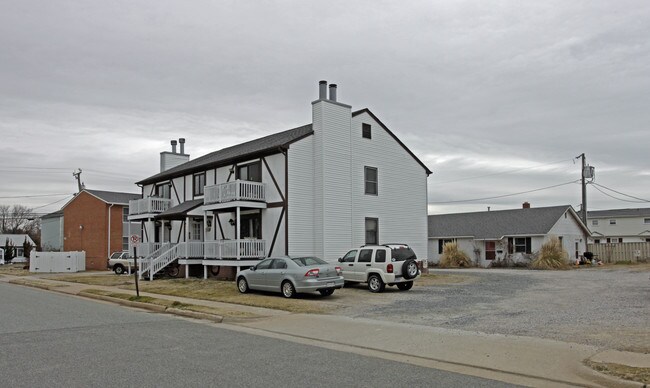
<point x="513" y="359"/>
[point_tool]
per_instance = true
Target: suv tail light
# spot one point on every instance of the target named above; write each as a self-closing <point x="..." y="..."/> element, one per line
<point x="312" y="272"/>
<point x="338" y="270"/>
<point x="389" y="268"/>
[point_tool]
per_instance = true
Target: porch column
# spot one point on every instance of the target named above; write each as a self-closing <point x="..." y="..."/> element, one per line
<point x="205" y="237"/>
<point x="187" y="271"/>
<point x="187" y="235"/>
<point x="205" y="271"/>
<point x="237" y="234"/>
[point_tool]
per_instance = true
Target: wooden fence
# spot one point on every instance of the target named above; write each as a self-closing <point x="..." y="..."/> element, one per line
<point x="614" y="252"/>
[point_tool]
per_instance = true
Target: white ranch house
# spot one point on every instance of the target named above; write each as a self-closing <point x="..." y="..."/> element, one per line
<point x="515" y="234"/>
<point x="341" y="181"/>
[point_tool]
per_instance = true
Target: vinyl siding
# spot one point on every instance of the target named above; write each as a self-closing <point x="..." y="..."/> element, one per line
<point x="301" y="199"/>
<point x="401" y="202"/>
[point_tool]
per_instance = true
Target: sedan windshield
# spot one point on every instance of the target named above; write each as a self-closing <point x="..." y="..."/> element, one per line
<point x="308" y="261"/>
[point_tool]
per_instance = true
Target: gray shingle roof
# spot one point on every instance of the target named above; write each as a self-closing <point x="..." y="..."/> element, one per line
<point x="619" y="213"/>
<point x="112" y="197"/>
<point x="228" y="155"/>
<point x="56" y="214"/>
<point x="179" y="211"/>
<point x="496" y="224"/>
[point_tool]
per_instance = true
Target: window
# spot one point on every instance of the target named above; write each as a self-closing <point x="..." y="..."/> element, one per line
<point x="125" y="243"/>
<point x="279" y="264"/>
<point x="370" y="178"/>
<point x="125" y="214"/>
<point x="372" y="231"/>
<point x="366" y="131"/>
<point x="163" y="191"/>
<point x="365" y="255"/>
<point x="380" y="256"/>
<point x="195" y="231"/>
<point x="597" y="241"/>
<point x="442" y="242"/>
<point x="646" y="220"/>
<point x="613" y="240"/>
<point x="612" y="222"/>
<point x="199" y="184"/>
<point x="594" y="222"/>
<point x="490" y="250"/>
<point x="349" y="257"/>
<point x="519" y="245"/>
<point x="264" y="264"/>
<point x="250" y="172"/>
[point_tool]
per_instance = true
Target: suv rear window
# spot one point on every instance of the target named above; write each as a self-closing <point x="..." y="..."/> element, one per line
<point x="402" y="253"/>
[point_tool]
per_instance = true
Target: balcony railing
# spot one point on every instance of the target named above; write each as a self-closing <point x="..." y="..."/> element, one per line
<point x="234" y="191"/>
<point x="234" y="249"/>
<point x="148" y="205"/>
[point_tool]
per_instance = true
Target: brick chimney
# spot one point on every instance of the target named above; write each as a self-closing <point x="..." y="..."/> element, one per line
<point x="525" y="205"/>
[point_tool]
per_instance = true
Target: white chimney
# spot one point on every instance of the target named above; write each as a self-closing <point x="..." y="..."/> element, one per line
<point x="172" y="159"/>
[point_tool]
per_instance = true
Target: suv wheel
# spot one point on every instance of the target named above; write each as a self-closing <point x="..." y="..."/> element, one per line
<point x="405" y="286"/>
<point x="410" y="269"/>
<point x="375" y="284"/>
<point x="118" y="269"/>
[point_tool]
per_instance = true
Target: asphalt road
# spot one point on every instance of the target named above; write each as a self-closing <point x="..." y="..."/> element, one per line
<point x="53" y="340"/>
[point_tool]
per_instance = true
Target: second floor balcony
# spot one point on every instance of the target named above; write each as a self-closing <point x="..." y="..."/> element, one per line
<point x="234" y="191"/>
<point x="150" y="205"/>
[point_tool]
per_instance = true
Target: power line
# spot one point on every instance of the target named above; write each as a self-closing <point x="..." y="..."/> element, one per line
<point x="504" y="172"/>
<point x="52" y="203"/>
<point x="639" y="200"/>
<point x="36" y="196"/>
<point x="506" y="195"/>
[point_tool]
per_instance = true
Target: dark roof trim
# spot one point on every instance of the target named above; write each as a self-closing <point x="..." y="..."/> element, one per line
<point x="366" y="110"/>
<point x="180" y="170"/>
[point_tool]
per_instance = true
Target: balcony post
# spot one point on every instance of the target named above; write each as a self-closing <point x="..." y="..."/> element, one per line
<point x="237" y="234"/>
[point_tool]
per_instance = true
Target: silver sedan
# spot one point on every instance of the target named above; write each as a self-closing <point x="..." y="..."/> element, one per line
<point x="291" y="275"/>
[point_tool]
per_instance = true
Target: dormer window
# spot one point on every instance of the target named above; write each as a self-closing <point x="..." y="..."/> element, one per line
<point x="366" y="131"/>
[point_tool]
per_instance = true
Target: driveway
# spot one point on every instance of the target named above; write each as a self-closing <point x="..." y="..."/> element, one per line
<point x="605" y="307"/>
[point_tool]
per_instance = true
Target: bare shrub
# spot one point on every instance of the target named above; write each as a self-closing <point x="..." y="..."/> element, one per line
<point x="453" y="257"/>
<point x="551" y="256"/>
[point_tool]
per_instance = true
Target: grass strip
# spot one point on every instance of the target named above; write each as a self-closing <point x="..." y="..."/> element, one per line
<point x="640" y="375"/>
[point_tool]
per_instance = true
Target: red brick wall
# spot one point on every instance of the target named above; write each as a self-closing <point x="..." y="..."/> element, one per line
<point x="92" y="213"/>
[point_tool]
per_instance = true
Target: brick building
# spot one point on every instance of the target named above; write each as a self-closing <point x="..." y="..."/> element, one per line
<point x="87" y="219"/>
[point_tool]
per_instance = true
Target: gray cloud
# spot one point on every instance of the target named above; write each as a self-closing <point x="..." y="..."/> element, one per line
<point x="475" y="89"/>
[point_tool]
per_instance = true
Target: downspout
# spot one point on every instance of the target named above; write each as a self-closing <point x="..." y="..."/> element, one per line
<point x="109" y="231"/>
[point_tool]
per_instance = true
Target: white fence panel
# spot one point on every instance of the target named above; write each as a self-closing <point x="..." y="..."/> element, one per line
<point x="57" y="262"/>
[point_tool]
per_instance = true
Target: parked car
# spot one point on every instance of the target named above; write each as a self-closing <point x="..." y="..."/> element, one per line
<point x="291" y="275"/>
<point x="120" y="261"/>
<point x="381" y="265"/>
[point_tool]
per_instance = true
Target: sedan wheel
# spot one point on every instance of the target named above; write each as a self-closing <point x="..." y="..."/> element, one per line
<point x="242" y="285"/>
<point x="288" y="290"/>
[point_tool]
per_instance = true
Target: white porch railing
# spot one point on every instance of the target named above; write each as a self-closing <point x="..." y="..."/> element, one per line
<point x="145" y="249"/>
<point x="149" y="205"/>
<point x="234" y="191"/>
<point x="144" y="263"/>
<point x="228" y="249"/>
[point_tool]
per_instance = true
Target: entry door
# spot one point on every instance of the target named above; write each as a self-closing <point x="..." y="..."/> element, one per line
<point x="490" y="250"/>
<point x="251" y="226"/>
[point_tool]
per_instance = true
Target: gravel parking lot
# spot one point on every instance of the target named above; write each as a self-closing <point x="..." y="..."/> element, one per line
<point x="606" y="307"/>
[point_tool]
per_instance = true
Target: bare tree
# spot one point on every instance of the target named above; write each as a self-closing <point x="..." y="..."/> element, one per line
<point x="19" y="219"/>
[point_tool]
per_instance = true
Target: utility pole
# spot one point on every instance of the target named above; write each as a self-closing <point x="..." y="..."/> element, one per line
<point x="77" y="175"/>
<point x="583" y="173"/>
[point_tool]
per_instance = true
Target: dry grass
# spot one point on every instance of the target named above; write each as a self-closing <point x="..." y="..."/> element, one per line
<point x="641" y="375"/>
<point x="230" y="313"/>
<point x="14" y="269"/>
<point x="551" y="256"/>
<point x="434" y="279"/>
<point x="214" y="290"/>
<point x="453" y="257"/>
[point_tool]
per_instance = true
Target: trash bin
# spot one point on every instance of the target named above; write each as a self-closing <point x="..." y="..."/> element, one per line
<point x="588" y="255"/>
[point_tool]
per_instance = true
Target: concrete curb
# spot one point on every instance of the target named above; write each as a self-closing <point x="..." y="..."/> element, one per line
<point x="155" y="308"/>
<point x="599" y="378"/>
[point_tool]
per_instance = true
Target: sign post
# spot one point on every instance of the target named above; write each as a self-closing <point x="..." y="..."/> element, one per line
<point x="135" y="240"/>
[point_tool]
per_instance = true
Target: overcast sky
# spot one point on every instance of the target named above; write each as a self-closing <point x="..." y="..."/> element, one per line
<point x="496" y="97"/>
